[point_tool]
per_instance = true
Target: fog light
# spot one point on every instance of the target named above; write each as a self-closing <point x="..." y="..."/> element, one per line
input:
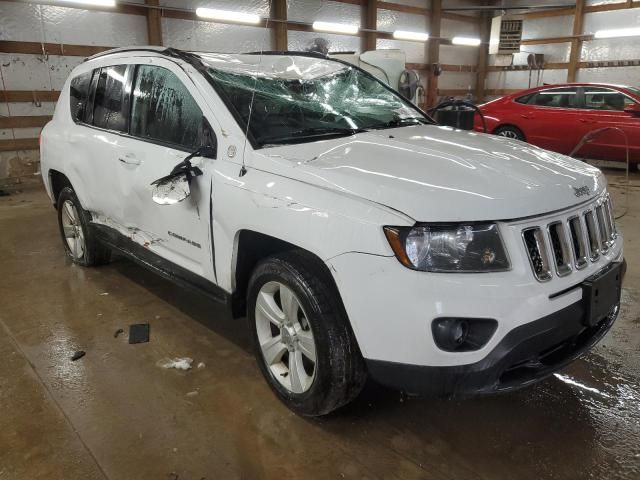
<point x="462" y="334"/>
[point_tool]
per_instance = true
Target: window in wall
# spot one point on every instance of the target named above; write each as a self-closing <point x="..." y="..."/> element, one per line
<point x="600" y="98"/>
<point x="557" y="97"/>
<point x="78" y="95"/>
<point x="108" y="104"/>
<point x="164" y="110"/>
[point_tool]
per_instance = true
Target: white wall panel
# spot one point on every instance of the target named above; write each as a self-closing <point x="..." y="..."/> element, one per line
<point x="260" y="7"/>
<point x="390" y="20"/>
<point x="18" y="133"/>
<point x="620" y="75"/>
<point x="412" y="3"/>
<point x="520" y="79"/>
<point x="547" y="27"/>
<point x="33" y="72"/>
<point x="453" y="28"/>
<point x="554" y="52"/>
<point x="458" y="55"/>
<point x="18" y="109"/>
<point x="20" y="22"/>
<point x="337" y="43"/>
<point x="214" y="37"/>
<point x="326" y="11"/>
<point x="457" y="80"/>
<point x="603" y="2"/>
<point x="415" y="52"/>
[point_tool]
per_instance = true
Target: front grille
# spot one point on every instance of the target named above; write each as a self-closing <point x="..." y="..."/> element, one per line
<point x="572" y="242"/>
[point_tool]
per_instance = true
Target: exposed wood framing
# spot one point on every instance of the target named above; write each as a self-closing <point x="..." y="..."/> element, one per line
<point x="512" y="68"/>
<point x="483" y="55"/>
<point x="37" y="48"/>
<point x="19" y="144"/>
<point x="433" y="47"/>
<point x="34" y="96"/>
<point x="154" y="27"/>
<point x="446" y="67"/>
<point x="458" y="92"/>
<point x="370" y="23"/>
<point x="576" y="43"/>
<point x="279" y="12"/>
<point x="24" y="121"/>
<point x="607" y="7"/>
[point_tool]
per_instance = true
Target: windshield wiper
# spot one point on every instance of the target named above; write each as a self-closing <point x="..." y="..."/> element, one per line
<point x="401" y="122"/>
<point x="301" y="135"/>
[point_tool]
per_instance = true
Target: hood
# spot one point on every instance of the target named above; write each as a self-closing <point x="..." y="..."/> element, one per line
<point x="436" y="173"/>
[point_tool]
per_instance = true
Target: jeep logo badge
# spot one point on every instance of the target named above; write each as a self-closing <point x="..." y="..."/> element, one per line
<point x="580" y="191"/>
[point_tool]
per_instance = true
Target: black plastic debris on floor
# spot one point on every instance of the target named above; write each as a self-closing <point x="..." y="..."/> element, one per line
<point x="118" y="332"/>
<point x="78" y="355"/>
<point x="139" y="333"/>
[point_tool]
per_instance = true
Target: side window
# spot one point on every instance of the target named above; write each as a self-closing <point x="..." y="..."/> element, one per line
<point x="109" y="100"/>
<point x="556" y="97"/>
<point x="600" y="98"/>
<point x="163" y="109"/>
<point x="78" y="95"/>
<point x="524" y="99"/>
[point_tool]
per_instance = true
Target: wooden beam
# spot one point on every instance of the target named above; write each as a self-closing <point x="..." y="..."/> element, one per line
<point x="154" y="27"/>
<point x="556" y="12"/>
<point x="606" y="7"/>
<point x="280" y="32"/>
<point x="446" y="67"/>
<point x="513" y="68"/>
<point x="19" y="144"/>
<point x="576" y="43"/>
<point x="37" y="48"/>
<point x="29" y="96"/>
<point x="433" y="47"/>
<point x="545" y="41"/>
<point x="483" y="55"/>
<point x="371" y="23"/>
<point x="26" y="121"/>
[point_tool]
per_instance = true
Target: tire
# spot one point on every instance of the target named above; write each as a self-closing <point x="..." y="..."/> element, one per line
<point x="338" y="374"/>
<point x="78" y="240"/>
<point x="509" y="131"/>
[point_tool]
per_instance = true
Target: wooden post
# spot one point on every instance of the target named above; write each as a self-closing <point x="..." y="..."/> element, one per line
<point x="279" y="12"/>
<point x="154" y="27"/>
<point x="576" y="44"/>
<point x="433" y="51"/>
<point x="371" y="23"/>
<point x="483" y="55"/>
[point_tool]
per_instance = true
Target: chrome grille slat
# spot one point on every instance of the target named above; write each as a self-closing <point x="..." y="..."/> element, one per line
<point x="559" y="246"/>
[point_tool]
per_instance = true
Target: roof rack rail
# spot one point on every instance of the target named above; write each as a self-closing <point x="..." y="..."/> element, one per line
<point x="160" y="50"/>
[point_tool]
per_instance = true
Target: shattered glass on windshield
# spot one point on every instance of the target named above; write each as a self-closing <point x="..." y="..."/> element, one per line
<point x="297" y="99"/>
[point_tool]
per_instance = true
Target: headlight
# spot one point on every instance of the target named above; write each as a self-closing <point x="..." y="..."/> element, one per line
<point x="470" y="247"/>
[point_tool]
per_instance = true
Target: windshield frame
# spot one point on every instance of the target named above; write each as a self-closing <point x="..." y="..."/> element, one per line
<point x="255" y="144"/>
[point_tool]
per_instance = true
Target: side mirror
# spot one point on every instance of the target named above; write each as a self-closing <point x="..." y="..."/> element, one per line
<point x="171" y="189"/>
<point x="633" y="109"/>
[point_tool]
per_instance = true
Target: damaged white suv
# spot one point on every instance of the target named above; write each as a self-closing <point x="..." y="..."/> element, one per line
<point x="358" y="237"/>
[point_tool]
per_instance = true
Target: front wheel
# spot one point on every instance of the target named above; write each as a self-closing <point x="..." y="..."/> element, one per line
<point x="303" y="341"/>
<point x="78" y="241"/>
<point x="509" y="131"/>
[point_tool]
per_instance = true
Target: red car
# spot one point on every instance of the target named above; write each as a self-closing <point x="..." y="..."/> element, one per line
<point x="557" y="117"/>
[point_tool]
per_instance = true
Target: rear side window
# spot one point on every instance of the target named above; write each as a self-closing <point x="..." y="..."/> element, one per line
<point x="109" y="100"/>
<point x="164" y="110"/>
<point x="78" y="95"/>
<point x="557" y="97"/>
<point x="524" y="99"/>
<point x="600" y="98"/>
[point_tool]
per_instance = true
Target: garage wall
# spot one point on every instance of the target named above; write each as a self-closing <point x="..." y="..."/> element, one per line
<point x="37" y="77"/>
<point x="616" y="49"/>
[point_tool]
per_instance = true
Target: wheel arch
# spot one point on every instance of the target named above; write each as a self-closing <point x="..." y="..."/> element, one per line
<point x="510" y="125"/>
<point x="250" y="247"/>
<point x="57" y="181"/>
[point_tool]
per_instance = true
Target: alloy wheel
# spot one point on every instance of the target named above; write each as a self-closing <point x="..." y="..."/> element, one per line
<point x="285" y="337"/>
<point x="72" y="229"/>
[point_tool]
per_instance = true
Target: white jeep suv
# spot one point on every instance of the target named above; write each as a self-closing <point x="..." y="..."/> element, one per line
<point x="358" y="237"/>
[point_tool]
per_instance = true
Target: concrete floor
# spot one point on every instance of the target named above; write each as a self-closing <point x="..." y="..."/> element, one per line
<point x="115" y="414"/>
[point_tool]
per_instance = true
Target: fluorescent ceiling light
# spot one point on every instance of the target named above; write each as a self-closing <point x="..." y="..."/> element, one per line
<point x="417" y="36"/>
<point x="469" y="41"/>
<point x="618" y="32"/>
<point x="227" y="15"/>
<point x="336" y="27"/>
<point x="97" y="3"/>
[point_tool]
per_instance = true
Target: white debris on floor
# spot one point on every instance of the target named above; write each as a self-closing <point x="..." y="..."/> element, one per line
<point x="177" y="363"/>
<point x="201" y="365"/>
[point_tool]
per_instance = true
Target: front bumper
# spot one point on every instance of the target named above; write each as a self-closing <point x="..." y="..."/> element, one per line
<point x="525" y="355"/>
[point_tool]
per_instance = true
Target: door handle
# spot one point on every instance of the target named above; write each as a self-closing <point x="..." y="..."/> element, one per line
<point x="129" y="159"/>
<point x="527" y="116"/>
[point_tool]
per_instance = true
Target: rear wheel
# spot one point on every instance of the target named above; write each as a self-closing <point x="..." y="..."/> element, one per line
<point x="79" y="243"/>
<point x="509" y="131"/>
<point x="303" y="341"/>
